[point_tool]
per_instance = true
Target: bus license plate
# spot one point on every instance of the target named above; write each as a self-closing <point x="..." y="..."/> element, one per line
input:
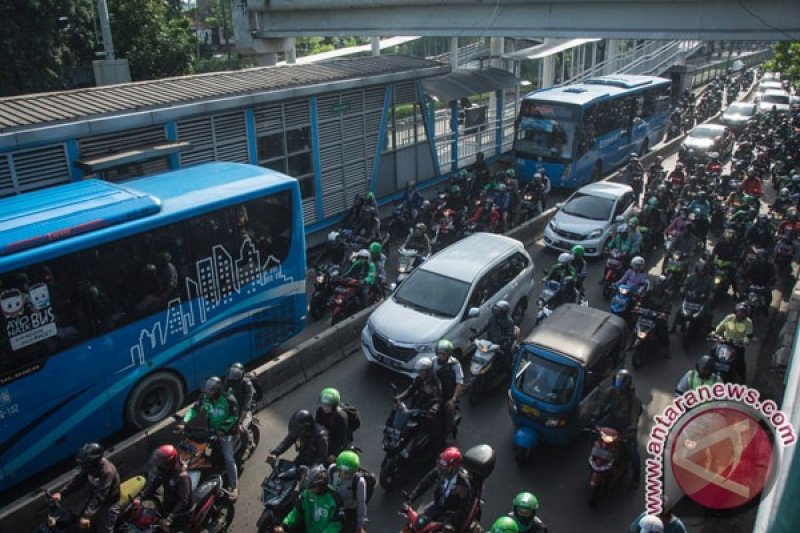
<point x="528" y="410"/>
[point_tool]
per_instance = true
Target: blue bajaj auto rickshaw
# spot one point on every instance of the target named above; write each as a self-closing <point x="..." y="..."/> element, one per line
<point x="558" y="372"/>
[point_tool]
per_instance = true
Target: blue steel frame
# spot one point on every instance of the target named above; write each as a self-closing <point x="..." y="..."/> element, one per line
<point x="315" y="155"/>
<point x="380" y="145"/>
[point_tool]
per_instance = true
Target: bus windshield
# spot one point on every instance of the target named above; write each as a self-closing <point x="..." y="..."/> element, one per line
<point x="547" y="130"/>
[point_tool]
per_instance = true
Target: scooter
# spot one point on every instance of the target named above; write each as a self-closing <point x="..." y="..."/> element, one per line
<point x="756" y="298"/>
<point x="675" y="271"/>
<point x="486" y="372"/>
<point x="693" y="317"/>
<point x="279" y="491"/>
<point x="607" y="462"/>
<point x="624" y="300"/>
<point x="726" y="356"/>
<point x="528" y="207"/>
<point x="723" y="272"/>
<point x="322" y="289"/>
<point x="344" y="300"/>
<point x="199" y="450"/>
<point x="407" y="260"/>
<point x="613" y="271"/>
<point x="644" y="332"/>
<point x="59" y="519"/>
<point x="551" y="298"/>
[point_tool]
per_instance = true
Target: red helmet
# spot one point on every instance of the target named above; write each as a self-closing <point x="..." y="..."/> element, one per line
<point x="165" y="457"/>
<point x="450" y="457"/>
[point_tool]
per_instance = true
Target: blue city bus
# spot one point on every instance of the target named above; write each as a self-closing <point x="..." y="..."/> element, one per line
<point x="578" y="132"/>
<point x="118" y="299"/>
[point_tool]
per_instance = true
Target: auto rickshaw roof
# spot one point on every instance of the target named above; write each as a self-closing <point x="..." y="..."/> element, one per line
<point x="579" y="332"/>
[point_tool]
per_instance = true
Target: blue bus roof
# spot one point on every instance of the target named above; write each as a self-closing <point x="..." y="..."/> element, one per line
<point x="597" y="89"/>
<point x="54" y="220"/>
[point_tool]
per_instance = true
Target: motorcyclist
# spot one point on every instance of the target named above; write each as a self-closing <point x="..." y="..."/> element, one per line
<point x="362" y="269"/>
<point x="335" y="250"/>
<point x="702" y="374"/>
<point x="418" y="240"/>
<point x="412" y="199"/>
<point x="450" y="374"/>
<point x="526" y="506"/>
<point x="725" y="255"/>
<point x="310" y="440"/>
<point x="378" y="259"/>
<point x="699" y="283"/>
<point x="701" y="207"/>
<point x="562" y="268"/>
<point x="369" y="225"/>
<point x="655" y="172"/>
<point x="760" y="234"/>
<point x="761" y="273"/>
<point x="544" y="188"/>
<point x="318" y="508"/>
<point x="239" y="384"/>
<point x="685" y="243"/>
<point x="352" y="490"/>
<point x="579" y="265"/>
<point x="222" y="413"/>
<point x="633" y="228"/>
<point x="167" y="472"/>
<point x="714" y="165"/>
<point x="481" y="170"/>
<point x="783" y="202"/>
<point x="635" y="277"/>
<point x="752" y="185"/>
<point x="332" y="417"/>
<point x="452" y="493"/>
<point x="486" y="216"/>
<point x="502" y="199"/>
<point x="501" y="331"/>
<point x="425" y="393"/>
<point x="634" y="174"/>
<point x="623" y="241"/>
<point x="619" y="407"/>
<point x="100" y="509"/>
<point x="656" y="299"/>
<point x="677" y="178"/>
<point x="737" y="329"/>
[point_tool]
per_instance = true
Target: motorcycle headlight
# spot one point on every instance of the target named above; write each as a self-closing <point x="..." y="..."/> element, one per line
<point x="555" y="422"/>
<point x="402" y="269"/>
<point x="422" y="348"/>
<point x="320" y="278"/>
<point x="641" y="334"/>
<point x="539" y="303"/>
<point x="595" y="233"/>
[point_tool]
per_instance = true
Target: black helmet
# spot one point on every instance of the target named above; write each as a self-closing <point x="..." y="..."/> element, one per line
<point x="302" y="421"/>
<point x="705" y="365"/>
<point x="211" y="386"/>
<point x="316" y="476"/>
<point x="622" y="379"/>
<point x="235" y="372"/>
<point x="89" y="456"/>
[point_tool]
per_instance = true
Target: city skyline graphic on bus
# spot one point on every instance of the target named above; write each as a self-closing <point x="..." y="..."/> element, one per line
<point x="219" y="278"/>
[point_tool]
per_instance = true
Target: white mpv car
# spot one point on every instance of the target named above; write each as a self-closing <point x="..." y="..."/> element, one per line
<point x="445" y="297"/>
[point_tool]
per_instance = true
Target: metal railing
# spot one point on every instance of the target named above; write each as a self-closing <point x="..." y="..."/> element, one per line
<point x="466" y="53"/>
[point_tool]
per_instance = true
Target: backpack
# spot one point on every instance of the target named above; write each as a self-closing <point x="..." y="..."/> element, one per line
<point x="258" y="390"/>
<point x="369" y="479"/>
<point x="353" y="418"/>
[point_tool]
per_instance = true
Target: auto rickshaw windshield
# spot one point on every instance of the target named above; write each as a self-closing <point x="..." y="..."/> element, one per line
<point x="544" y="379"/>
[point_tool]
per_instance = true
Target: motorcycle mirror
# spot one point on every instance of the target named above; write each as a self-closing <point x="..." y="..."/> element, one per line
<point x="392" y="286"/>
<point x="473" y="312"/>
<point x="559" y="205"/>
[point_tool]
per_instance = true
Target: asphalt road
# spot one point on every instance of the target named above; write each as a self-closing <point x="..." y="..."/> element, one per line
<point x="558" y="476"/>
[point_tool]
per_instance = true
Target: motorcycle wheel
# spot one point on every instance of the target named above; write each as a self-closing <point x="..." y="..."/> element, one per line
<point x="636" y="357"/>
<point x="594" y="494"/>
<point x="388" y="474"/>
<point x="608" y="290"/>
<point x="266" y="522"/>
<point x="475" y="391"/>
<point x="316" y="308"/>
<point x="337" y="315"/>
<point x="521" y="455"/>
<point x="222" y="517"/>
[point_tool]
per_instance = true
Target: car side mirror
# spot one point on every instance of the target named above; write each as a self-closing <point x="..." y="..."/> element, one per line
<point x="474" y="312"/>
<point x="619" y="218"/>
<point x="559" y="205"/>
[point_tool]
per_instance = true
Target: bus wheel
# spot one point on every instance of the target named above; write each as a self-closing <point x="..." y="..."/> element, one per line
<point x="154" y="398"/>
<point x="597" y="172"/>
<point x="645" y="147"/>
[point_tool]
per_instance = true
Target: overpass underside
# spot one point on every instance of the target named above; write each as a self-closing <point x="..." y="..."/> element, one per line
<point x="653" y="19"/>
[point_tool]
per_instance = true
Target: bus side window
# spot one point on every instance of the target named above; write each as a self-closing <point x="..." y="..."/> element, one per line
<point x="267" y="223"/>
<point x="587" y="131"/>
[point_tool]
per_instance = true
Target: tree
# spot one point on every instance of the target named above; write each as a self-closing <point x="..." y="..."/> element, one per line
<point x="786" y="61"/>
<point x="41" y="40"/>
<point x="157" y="40"/>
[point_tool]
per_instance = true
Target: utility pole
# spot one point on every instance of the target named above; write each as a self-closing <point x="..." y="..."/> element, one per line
<point x="224" y="31"/>
<point x="105" y="28"/>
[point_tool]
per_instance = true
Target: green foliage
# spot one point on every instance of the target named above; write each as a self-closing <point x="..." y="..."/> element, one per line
<point x="41" y="40"/>
<point x="786" y="61"/>
<point x="157" y="42"/>
<point x="316" y="45"/>
<point x="216" y="64"/>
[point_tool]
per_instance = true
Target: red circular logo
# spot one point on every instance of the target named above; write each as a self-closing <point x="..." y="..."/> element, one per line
<point x="722" y="458"/>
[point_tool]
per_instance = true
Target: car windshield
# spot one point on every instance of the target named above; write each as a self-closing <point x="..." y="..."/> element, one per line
<point x="587" y="206"/>
<point x="544" y="379"/>
<point x="705" y="133"/>
<point x="775" y="98"/>
<point x="741" y="109"/>
<point x="546" y="130"/>
<point x="432" y="293"/>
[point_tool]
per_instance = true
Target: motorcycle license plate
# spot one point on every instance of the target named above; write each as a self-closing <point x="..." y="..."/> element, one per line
<point x="602" y="453"/>
<point x="613" y="263"/>
<point x="528" y="410"/>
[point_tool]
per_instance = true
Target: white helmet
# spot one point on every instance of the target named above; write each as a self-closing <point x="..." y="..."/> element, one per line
<point x="423" y="363"/>
<point x="637" y="261"/>
<point x="565" y="258"/>
<point x="332" y="236"/>
<point x="363" y="254"/>
<point x="651" y="524"/>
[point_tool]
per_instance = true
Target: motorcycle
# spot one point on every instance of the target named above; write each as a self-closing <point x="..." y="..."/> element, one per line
<point x="445" y="232"/>
<point x="693" y="317"/>
<point x="407" y="261"/>
<point x="528" y="207"/>
<point x="607" y="462"/>
<point x="674" y="129"/>
<point x="405" y="440"/>
<point x="613" y="271"/>
<point x="486" y="372"/>
<point x="644" y="333"/>
<point x="723" y="272"/>
<point x="784" y="254"/>
<point x="479" y="463"/>
<point x="675" y="271"/>
<point x="726" y="356"/>
<point x="212" y="511"/>
<point x="623" y="301"/>
<point x="551" y="298"/>
<point x="199" y="450"/>
<point x="401" y="221"/>
<point x="322" y="289"/>
<point x="344" y="300"/>
<point x="279" y="490"/>
<point x="756" y="297"/>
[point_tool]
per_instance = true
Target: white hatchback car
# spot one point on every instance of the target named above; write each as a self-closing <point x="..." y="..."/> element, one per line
<point x="447" y="297"/>
<point x="778" y="99"/>
<point x="588" y="216"/>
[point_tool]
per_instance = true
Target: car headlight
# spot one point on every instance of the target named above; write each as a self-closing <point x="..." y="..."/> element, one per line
<point x="421" y="348"/>
<point x="370" y="328"/>
<point x="595" y="233"/>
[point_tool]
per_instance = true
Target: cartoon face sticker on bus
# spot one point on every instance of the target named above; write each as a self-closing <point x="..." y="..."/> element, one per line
<point x="39" y="296"/>
<point x="12" y="303"/>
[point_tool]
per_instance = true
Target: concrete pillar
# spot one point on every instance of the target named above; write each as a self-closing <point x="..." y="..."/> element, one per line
<point x="376" y="45"/>
<point x="594" y="55"/>
<point x="454" y="52"/>
<point x="496" y="50"/>
<point x="291" y="52"/>
<point x="548" y="69"/>
<point x="612" y="55"/>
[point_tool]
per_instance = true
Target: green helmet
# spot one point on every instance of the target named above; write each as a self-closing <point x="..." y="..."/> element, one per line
<point x="511" y="173"/>
<point x="375" y="248"/>
<point x="652" y="201"/>
<point x="369" y="196"/>
<point x="348" y="462"/>
<point x="633" y="221"/>
<point x="526" y="500"/>
<point x="748" y="199"/>
<point x="444" y="346"/>
<point x="578" y="251"/>
<point x="462" y="173"/>
<point x="504" y="524"/>
<point x="330" y="397"/>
